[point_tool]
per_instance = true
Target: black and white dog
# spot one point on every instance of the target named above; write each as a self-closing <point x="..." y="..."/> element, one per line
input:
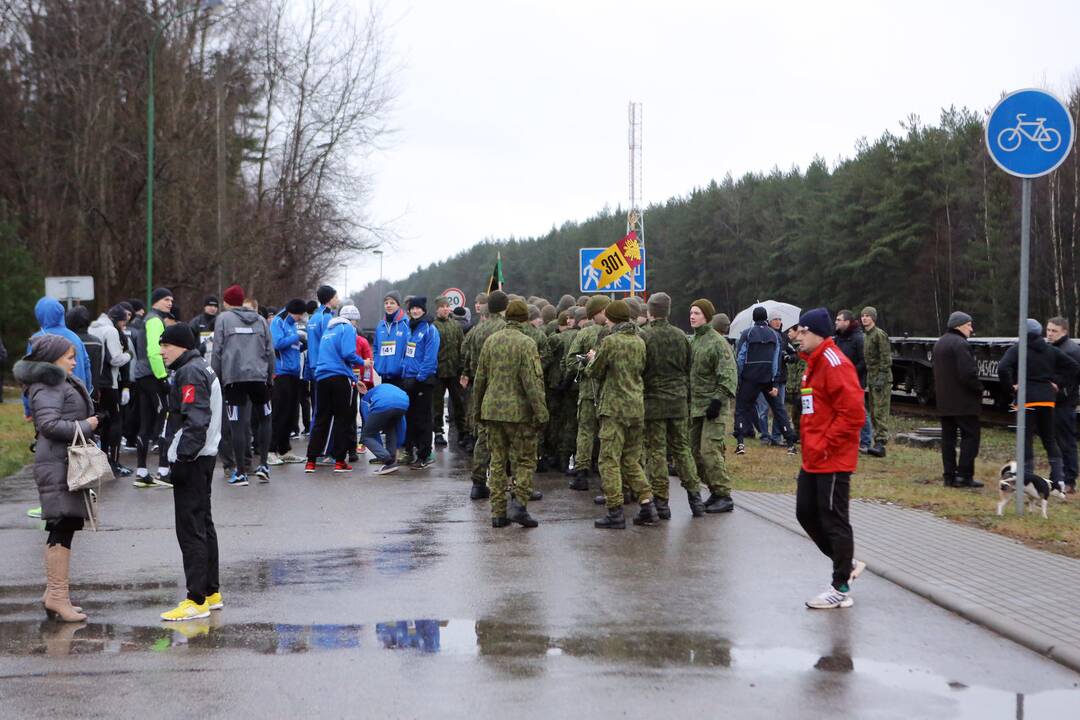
<point x="1036" y="488"/>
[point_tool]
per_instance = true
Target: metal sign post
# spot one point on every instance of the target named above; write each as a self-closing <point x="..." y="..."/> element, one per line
<point x="1029" y="134"/>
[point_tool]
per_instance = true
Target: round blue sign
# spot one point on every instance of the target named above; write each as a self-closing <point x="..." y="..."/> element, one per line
<point x="1030" y="133"/>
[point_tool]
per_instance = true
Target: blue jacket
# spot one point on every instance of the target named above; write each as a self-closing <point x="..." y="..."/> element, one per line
<point x="758" y="355"/>
<point x="390" y="340"/>
<point x="50" y="316"/>
<point x="337" y="351"/>
<point x="421" y="352"/>
<point x="316" y="326"/>
<point x="286" y="344"/>
<point x="383" y="398"/>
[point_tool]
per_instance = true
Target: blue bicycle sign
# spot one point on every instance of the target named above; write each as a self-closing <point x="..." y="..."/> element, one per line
<point x="1029" y="133"/>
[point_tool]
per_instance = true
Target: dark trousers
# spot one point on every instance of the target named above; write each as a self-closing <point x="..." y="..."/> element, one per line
<point x="285" y="407"/>
<point x="354" y="410"/>
<point x="1065" y="434"/>
<point x="130" y="413"/>
<point x="448" y="386"/>
<point x="248" y="411"/>
<point x="968" y="425"/>
<point x="1041" y="420"/>
<point x="307" y="392"/>
<point x="418" y="420"/>
<point x="378" y="423"/>
<point x="330" y="428"/>
<point x="62" y="531"/>
<point x="821" y="507"/>
<point x="195" y="526"/>
<point x="152" y="403"/>
<point x="109" y="429"/>
<point x="746" y="411"/>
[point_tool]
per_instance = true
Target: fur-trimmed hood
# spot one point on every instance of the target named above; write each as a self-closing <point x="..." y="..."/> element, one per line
<point x="29" y="372"/>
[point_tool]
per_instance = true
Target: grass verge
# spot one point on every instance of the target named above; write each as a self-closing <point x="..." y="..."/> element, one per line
<point x="15" y="434"/>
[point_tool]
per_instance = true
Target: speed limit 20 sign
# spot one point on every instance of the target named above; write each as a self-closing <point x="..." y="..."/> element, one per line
<point x="455" y="296"/>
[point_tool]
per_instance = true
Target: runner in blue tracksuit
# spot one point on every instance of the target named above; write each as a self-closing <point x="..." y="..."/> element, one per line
<point x="50" y="316"/>
<point x="383" y="410"/>
<point x="391" y="338"/>
<point x="418" y="370"/>
<point x="334" y="378"/>
<point x="328" y="302"/>
<point x="288" y="344"/>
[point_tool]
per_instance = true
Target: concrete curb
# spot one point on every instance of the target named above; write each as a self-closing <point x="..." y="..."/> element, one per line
<point x="1029" y="638"/>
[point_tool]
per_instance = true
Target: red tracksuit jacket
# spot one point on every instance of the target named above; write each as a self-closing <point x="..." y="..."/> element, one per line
<point x="832" y="411"/>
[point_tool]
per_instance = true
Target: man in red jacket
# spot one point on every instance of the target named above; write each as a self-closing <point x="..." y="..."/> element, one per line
<point x="832" y="416"/>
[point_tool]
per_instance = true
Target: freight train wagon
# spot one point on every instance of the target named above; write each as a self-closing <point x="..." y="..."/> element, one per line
<point x="913" y="368"/>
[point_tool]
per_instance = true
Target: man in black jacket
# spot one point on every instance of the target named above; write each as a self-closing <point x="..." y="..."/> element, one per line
<point x="849" y="338"/>
<point x="192" y="437"/>
<point x="958" y="393"/>
<point x="1057" y="332"/>
<point x="1048" y="370"/>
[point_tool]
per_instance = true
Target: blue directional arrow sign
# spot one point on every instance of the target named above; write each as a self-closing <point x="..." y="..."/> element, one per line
<point x="588" y="276"/>
<point x="1029" y="133"/>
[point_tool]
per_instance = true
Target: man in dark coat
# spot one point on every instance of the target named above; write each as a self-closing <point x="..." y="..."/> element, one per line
<point x="1057" y="332"/>
<point x="851" y="340"/>
<point x="959" y="401"/>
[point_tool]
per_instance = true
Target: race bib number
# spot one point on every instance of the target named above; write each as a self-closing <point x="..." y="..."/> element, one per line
<point x="410" y="350"/>
<point x="388" y="348"/>
<point x="807" y="401"/>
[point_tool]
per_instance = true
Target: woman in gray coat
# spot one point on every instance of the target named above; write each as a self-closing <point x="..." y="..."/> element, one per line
<point x="58" y="402"/>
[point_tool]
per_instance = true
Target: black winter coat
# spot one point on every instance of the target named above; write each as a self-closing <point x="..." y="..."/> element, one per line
<point x="1069" y="394"/>
<point x="1045" y="364"/>
<point x="956" y="376"/>
<point x="851" y="344"/>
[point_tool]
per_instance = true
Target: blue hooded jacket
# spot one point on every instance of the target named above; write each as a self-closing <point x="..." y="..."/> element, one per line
<point x="337" y="351"/>
<point x="421" y="352"/>
<point x="316" y="326"/>
<point x="50" y="316"/>
<point x="382" y="398"/>
<point x="286" y="344"/>
<point x="390" y="339"/>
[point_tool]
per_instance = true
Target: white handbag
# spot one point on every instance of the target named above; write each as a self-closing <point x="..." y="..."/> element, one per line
<point x="87" y="464"/>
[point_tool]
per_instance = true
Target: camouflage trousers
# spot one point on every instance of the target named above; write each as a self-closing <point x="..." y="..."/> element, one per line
<point x="565" y="423"/>
<point x="452" y="386"/>
<point x="554" y="400"/>
<point x="514" y="443"/>
<point x="586" y="433"/>
<point x="707" y="445"/>
<point x="879" y="412"/>
<point x="620" y="460"/>
<point x="481" y="455"/>
<point x="661" y="437"/>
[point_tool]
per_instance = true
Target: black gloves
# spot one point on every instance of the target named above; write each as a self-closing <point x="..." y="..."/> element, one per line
<point x="713" y="411"/>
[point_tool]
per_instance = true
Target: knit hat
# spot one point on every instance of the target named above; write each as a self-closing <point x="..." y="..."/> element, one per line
<point x="160" y="294"/>
<point x="534" y="313"/>
<point x="706" y="308"/>
<point x="442" y="301"/>
<point x="419" y="301"/>
<point x="460" y="311"/>
<point x="296" y="306"/>
<point x="660" y="305"/>
<point x="957" y="319"/>
<point x="234" y="295"/>
<point x="760" y="314"/>
<point x="583" y="300"/>
<point x="210" y="300"/>
<point x="349" y="312"/>
<point x="136" y="305"/>
<point x="392" y="295"/>
<point x="618" y="311"/>
<point x="595" y="304"/>
<point x="818" y="321"/>
<point x="565" y="303"/>
<point x="77" y="319"/>
<point x="497" y="303"/>
<point x="118" y="313"/>
<point x="482" y="298"/>
<point x="516" y="311"/>
<point x="775" y="315"/>
<point x="48" y="348"/>
<point x="1034" y="328"/>
<point x="533" y="300"/>
<point x="722" y="323"/>
<point x="870" y="311"/>
<point x="564" y="318"/>
<point x="637" y="307"/>
<point x="580" y="314"/>
<point x="548" y="313"/>
<point x="325" y="294"/>
<point x="179" y="335"/>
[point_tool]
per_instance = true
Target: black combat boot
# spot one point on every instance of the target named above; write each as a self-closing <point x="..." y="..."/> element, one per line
<point x="535" y="495"/>
<point x="719" y="504"/>
<point x="647" y="515"/>
<point x="499" y="521"/>
<point x="966" y="482"/>
<point x="878" y="450"/>
<point x="580" y="481"/>
<point x="520" y="515"/>
<point x="697" y="508"/>
<point x="614" y="520"/>
<point x="663" y="510"/>
<point x="440" y="440"/>
<point x="479" y="492"/>
<point x="599" y="500"/>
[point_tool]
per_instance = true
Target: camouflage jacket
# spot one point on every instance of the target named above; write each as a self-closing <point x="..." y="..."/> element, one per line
<point x="878" y="355"/>
<point x="796" y="368"/>
<point x="542" y="344"/>
<point x="617" y="369"/>
<point x="474" y="342"/>
<point x="450" y="339"/>
<point x="586" y="340"/>
<point x="713" y="374"/>
<point x="560" y="345"/>
<point x="551" y="328"/>
<point x="509" y="386"/>
<point x="667" y="370"/>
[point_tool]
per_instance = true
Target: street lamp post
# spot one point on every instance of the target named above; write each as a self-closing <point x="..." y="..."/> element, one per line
<point x="202" y="5"/>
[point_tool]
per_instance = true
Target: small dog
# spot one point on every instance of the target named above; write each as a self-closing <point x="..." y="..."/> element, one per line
<point x="1036" y="488"/>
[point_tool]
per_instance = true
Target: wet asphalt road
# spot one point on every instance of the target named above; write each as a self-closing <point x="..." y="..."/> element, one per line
<point x="366" y="596"/>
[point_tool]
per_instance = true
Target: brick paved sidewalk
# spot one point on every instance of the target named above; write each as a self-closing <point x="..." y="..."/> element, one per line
<point x="1027" y="595"/>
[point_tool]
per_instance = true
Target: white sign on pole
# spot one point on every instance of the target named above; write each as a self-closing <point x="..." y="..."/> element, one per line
<point x="69" y="289"/>
<point x="455" y="296"/>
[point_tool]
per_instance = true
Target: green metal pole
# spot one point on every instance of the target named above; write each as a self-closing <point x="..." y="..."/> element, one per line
<point x="150" y="176"/>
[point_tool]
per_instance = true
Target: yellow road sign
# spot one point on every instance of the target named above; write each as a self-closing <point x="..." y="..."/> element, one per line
<point x="611" y="264"/>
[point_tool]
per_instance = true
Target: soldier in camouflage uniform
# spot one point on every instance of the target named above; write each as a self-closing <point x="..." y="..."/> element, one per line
<point x="796" y="368"/>
<point x="667" y="373"/>
<point x="713" y="382"/>
<point x="509" y="392"/>
<point x="534" y="329"/>
<point x="451" y="337"/>
<point x="474" y="343"/>
<point x="586" y="340"/>
<point x="616" y="366"/>
<point x="561" y="393"/>
<point x="877" y="353"/>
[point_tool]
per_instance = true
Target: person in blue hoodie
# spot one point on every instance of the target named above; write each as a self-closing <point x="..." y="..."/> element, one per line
<point x="316" y="326"/>
<point x="334" y="379"/>
<point x="391" y="338"/>
<point x="383" y="410"/>
<point x="418" y="370"/>
<point x="50" y="316"/>
<point x="288" y="344"/>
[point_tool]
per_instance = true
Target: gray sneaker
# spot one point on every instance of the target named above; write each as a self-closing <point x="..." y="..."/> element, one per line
<point x="390" y="467"/>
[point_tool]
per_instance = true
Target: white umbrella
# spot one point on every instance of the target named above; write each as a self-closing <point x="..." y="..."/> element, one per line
<point x="790" y="314"/>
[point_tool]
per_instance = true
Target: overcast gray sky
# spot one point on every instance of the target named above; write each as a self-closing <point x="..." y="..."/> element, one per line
<point x="512" y="114"/>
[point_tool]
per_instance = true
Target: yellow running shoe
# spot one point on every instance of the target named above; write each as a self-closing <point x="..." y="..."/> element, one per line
<point x="187" y="610"/>
<point x="214" y="601"/>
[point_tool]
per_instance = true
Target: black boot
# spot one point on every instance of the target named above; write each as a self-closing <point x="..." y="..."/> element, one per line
<point x="440" y="440"/>
<point x="647" y="515"/>
<point x="520" y="515"/>
<point x="479" y="492"/>
<point x="614" y="520"/>
<point x="499" y="521"/>
<point x="967" y="483"/>
<point x="536" y="496"/>
<point x="719" y="504"/>
<point x="950" y="480"/>
<point x="697" y="508"/>
<point x="580" y="481"/>
<point x="663" y="510"/>
<point x="878" y="450"/>
<point x="599" y="500"/>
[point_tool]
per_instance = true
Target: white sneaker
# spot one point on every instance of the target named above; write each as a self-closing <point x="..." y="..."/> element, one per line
<point x="829" y="599"/>
<point x="291" y="458"/>
<point x="857" y="567"/>
<point x="274" y="459"/>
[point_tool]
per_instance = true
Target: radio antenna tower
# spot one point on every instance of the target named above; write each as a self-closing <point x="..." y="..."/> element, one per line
<point x="634" y="216"/>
